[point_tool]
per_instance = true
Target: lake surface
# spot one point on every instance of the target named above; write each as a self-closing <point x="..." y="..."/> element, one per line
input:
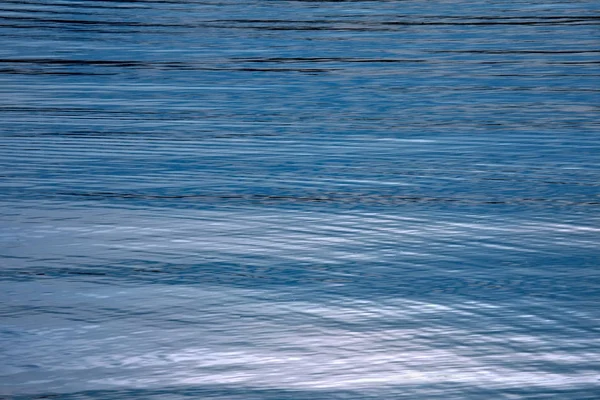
<point x="300" y="199"/>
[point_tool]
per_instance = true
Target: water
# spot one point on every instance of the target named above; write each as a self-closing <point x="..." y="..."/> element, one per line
<point x="299" y="199"/>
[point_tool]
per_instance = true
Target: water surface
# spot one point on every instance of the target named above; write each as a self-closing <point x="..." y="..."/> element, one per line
<point x="299" y="199"/>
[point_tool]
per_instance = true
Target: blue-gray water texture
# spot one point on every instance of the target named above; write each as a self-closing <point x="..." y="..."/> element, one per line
<point x="225" y="199"/>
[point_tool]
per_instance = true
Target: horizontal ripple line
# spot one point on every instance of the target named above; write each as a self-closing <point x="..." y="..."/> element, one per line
<point x="352" y="198"/>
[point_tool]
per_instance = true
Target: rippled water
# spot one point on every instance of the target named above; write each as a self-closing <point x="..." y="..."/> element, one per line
<point x="299" y="199"/>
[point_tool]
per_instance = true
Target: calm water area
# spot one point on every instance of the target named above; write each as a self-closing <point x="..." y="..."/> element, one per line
<point x="273" y="200"/>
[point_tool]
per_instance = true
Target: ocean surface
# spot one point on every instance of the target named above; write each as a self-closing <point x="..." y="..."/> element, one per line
<point x="299" y="199"/>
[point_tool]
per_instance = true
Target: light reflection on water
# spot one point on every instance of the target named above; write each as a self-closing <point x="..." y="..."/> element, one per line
<point x="289" y="200"/>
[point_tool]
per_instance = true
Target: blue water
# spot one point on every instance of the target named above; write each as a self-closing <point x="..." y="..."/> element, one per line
<point x="299" y="199"/>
